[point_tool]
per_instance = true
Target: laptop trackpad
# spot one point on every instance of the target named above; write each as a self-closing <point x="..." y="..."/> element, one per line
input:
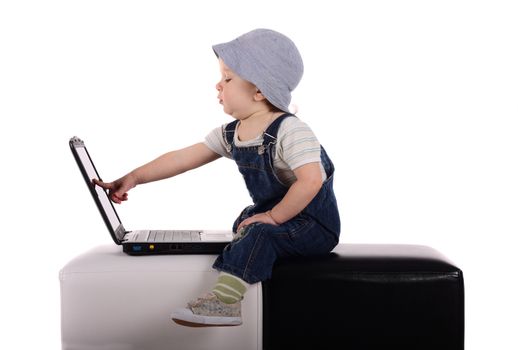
<point x="216" y="236"/>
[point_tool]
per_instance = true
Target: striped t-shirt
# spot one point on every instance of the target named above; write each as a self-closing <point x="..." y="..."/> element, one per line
<point x="296" y="145"/>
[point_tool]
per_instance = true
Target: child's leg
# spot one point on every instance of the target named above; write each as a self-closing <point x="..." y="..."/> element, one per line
<point x="250" y="259"/>
<point x="221" y="306"/>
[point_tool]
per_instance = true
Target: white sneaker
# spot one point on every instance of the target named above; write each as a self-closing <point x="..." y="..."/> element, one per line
<point x="208" y="311"/>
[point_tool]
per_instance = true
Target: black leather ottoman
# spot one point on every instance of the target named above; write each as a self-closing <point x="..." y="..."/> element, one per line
<point x="364" y="296"/>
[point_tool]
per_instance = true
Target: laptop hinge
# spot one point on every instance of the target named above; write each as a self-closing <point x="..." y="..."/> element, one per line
<point x="120" y="232"/>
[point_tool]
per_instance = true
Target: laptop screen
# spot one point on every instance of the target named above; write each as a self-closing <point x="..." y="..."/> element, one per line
<point x="105" y="204"/>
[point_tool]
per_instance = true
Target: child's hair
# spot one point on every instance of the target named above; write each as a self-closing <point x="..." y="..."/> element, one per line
<point x="267" y="59"/>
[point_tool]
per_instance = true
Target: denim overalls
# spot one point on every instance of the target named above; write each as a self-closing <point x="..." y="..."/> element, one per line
<point x="313" y="231"/>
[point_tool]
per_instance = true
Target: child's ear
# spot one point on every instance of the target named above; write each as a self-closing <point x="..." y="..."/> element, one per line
<point x="259" y="96"/>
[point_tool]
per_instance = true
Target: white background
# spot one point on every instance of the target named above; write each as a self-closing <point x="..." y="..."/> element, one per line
<point x="416" y="103"/>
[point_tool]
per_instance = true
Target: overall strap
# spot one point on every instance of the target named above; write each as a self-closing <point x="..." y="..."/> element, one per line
<point x="228" y="134"/>
<point x="270" y="135"/>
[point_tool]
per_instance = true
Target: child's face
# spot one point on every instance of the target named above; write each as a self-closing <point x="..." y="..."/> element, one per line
<point x="238" y="96"/>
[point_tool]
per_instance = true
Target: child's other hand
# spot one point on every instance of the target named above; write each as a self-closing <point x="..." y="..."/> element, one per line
<point x="264" y="218"/>
<point x="118" y="189"/>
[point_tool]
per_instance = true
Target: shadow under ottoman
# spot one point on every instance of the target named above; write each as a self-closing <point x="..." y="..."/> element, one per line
<point x="364" y="296"/>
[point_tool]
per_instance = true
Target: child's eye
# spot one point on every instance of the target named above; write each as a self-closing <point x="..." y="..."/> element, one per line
<point x="227" y="80"/>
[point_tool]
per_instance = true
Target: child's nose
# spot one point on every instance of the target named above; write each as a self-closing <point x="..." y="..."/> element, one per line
<point x="218" y="86"/>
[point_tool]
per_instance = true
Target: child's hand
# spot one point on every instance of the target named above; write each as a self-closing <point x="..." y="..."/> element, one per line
<point x="118" y="189"/>
<point x="264" y="218"/>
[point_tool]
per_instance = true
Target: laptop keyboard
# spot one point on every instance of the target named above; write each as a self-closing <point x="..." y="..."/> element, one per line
<point x="174" y="236"/>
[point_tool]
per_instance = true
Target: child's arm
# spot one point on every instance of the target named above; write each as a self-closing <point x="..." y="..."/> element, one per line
<point x="165" y="166"/>
<point x="300" y="194"/>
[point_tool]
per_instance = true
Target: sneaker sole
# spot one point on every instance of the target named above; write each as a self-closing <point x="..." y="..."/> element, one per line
<point x="199" y="325"/>
<point x="185" y="317"/>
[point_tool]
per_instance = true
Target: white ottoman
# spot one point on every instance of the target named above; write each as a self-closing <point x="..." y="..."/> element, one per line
<point x="113" y="301"/>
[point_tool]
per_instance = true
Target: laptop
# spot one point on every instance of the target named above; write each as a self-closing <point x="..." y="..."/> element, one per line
<point x="144" y="242"/>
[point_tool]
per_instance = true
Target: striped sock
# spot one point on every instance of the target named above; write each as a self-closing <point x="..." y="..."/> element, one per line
<point x="229" y="289"/>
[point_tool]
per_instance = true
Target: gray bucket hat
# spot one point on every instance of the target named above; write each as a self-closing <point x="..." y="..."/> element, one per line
<point x="267" y="59"/>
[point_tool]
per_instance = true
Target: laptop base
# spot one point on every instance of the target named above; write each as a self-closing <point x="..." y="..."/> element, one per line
<point x="142" y="248"/>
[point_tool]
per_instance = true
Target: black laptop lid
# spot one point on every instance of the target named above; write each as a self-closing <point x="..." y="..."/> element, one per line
<point x="99" y="195"/>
